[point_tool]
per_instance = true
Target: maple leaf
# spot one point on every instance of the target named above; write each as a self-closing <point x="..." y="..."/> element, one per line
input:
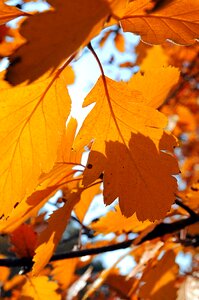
<point x="40" y="288"/>
<point x="32" y="121"/>
<point x="8" y="13"/>
<point x="177" y="21"/>
<point x="128" y="139"/>
<point x="68" y="27"/>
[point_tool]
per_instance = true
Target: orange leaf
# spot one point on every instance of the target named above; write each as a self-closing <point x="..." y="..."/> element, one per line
<point x="38" y="288"/>
<point x="54" y="35"/>
<point x="125" y="131"/>
<point x="8" y="13"/>
<point x="59" y="273"/>
<point x="50" y="237"/>
<point x="48" y="183"/>
<point x="165" y="77"/>
<point x="4" y="273"/>
<point x="24" y="241"/>
<point x="86" y="198"/>
<point x="119" y="42"/>
<point x="114" y="221"/>
<point x="160" y="279"/>
<point x="32" y="120"/>
<point x="177" y="20"/>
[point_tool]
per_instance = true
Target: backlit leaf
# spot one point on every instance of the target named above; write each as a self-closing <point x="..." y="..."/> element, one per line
<point x="166" y="77"/>
<point x="114" y="221"/>
<point x="50" y="237"/>
<point x="128" y="138"/>
<point x="54" y="35"/>
<point x="177" y="20"/>
<point x="160" y="279"/>
<point x="8" y="13"/>
<point x="23" y="241"/>
<point x="32" y="121"/>
<point x="38" y="288"/>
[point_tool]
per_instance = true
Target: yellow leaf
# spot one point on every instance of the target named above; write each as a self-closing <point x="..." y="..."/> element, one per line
<point x="8" y="13"/>
<point x="38" y="288"/>
<point x="114" y="221"/>
<point x="50" y="237"/>
<point x="160" y="279"/>
<point x="55" y="35"/>
<point x="128" y="138"/>
<point x="177" y="20"/>
<point x="32" y="121"/>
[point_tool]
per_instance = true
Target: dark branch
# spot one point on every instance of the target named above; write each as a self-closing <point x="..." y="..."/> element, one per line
<point x="185" y="207"/>
<point x="159" y="231"/>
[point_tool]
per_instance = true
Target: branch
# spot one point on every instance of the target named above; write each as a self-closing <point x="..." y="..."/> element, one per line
<point x="159" y="231"/>
<point x="185" y="207"/>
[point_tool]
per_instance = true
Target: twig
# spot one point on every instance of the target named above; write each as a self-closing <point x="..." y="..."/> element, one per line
<point x="159" y="231"/>
<point x="185" y="207"/>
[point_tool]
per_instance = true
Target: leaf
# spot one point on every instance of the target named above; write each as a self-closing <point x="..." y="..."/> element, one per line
<point x="114" y="221"/>
<point x="166" y="77"/>
<point x="4" y="273"/>
<point x="160" y="279"/>
<point x="87" y="196"/>
<point x="48" y="183"/>
<point x="55" y="35"/>
<point x="50" y="237"/>
<point x="32" y="121"/>
<point x="27" y="208"/>
<point x="123" y="135"/>
<point x="38" y="288"/>
<point x="177" y="20"/>
<point x="119" y="42"/>
<point x="23" y="241"/>
<point x="59" y="273"/>
<point x="8" y="12"/>
<point x="154" y="57"/>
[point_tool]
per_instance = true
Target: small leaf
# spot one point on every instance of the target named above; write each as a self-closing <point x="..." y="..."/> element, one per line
<point x="24" y="241"/>
<point x="38" y="288"/>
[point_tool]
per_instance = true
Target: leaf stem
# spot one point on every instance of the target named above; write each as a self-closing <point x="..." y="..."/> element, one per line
<point x="89" y="46"/>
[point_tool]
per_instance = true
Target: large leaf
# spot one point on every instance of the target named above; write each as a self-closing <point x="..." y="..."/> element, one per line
<point x="54" y="35"/>
<point x="32" y="121"/>
<point x="128" y="139"/>
<point x="176" y="20"/>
